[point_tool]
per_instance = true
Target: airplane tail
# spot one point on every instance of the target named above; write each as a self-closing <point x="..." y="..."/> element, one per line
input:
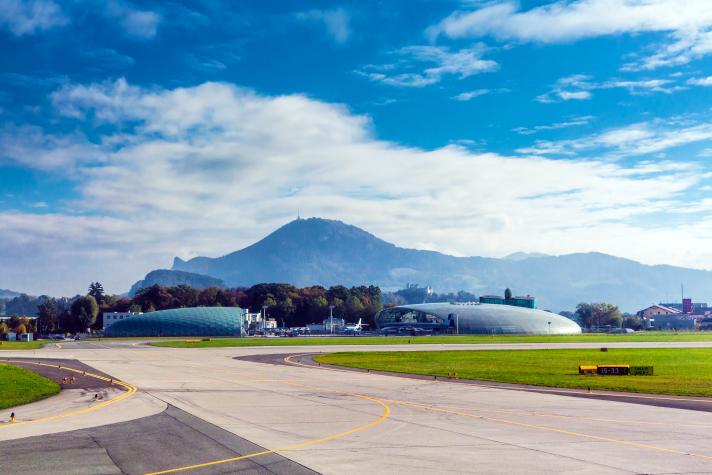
<point x="358" y="325"/>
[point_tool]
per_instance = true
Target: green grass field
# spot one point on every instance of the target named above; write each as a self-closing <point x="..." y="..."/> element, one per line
<point x="20" y="345"/>
<point x="450" y="339"/>
<point x="679" y="371"/>
<point x="20" y="386"/>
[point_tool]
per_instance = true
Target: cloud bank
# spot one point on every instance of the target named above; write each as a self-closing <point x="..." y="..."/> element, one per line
<point x="208" y="169"/>
<point x="685" y="24"/>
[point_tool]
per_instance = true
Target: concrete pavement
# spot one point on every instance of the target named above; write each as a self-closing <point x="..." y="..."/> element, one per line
<point x="338" y="422"/>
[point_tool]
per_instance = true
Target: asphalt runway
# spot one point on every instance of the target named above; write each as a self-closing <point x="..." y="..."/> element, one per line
<point x="349" y="422"/>
<point x="149" y="444"/>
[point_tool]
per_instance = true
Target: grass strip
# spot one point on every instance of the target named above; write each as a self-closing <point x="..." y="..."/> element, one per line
<point x="20" y="386"/>
<point x="678" y="371"/>
<point x="20" y="345"/>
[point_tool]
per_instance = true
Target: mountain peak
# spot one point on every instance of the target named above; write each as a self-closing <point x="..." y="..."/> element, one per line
<point x="319" y="227"/>
<point x="329" y="236"/>
<point x="317" y="251"/>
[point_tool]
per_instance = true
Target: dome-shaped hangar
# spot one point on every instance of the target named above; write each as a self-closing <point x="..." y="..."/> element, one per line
<point x="476" y="318"/>
<point x="198" y="321"/>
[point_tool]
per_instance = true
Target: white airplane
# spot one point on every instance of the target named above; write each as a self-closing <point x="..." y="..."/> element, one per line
<point x="356" y="328"/>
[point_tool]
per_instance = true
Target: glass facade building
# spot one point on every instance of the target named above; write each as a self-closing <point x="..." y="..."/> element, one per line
<point x="475" y="318"/>
<point x="198" y="321"/>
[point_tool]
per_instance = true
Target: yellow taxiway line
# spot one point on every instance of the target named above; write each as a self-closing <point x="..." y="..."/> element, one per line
<point x="383" y="417"/>
<point x="428" y="407"/>
<point x="130" y="391"/>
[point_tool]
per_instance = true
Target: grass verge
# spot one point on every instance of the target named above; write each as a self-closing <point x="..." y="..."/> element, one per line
<point x="20" y="386"/>
<point x="20" y="345"/>
<point x="678" y="371"/>
<point x="446" y="339"/>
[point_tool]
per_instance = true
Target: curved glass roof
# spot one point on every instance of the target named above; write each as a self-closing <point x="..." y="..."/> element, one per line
<point x="476" y="318"/>
<point x="198" y="321"/>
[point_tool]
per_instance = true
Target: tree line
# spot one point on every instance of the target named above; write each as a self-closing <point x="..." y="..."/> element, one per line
<point x="289" y="305"/>
<point x="602" y="314"/>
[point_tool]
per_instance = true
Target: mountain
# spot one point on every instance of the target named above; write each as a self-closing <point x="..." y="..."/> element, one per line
<point x="324" y="252"/>
<point x="8" y="294"/>
<point x="520" y="256"/>
<point x="172" y="278"/>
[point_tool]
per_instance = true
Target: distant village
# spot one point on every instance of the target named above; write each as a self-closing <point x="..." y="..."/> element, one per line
<point x="686" y="315"/>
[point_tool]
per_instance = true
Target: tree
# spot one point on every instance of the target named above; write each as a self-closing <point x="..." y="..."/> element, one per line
<point x="598" y="314"/>
<point x="84" y="310"/>
<point x="3" y="328"/>
<point x="47" y="320"/>
<point x="633" y="322"/>
<point x="68" y="322"/>
<point x="185" y="296"/>
<point x="96" y="290"/>
<point x="154" y="297"/>
<point x="507" y="293"/>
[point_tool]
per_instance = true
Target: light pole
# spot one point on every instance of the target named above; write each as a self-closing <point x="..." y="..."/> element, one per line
<point x="457" y="324"/>
<point x="331" y="318"/>
<point x="264" y="317"/>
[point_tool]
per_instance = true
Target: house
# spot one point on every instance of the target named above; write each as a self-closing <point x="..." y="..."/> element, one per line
<point x="657" y="309"/>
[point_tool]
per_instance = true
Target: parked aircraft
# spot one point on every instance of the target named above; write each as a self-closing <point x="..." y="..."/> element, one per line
<point x="356" y="328"/>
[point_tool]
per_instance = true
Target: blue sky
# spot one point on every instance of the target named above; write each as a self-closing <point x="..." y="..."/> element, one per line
<point x="134" y="132"/>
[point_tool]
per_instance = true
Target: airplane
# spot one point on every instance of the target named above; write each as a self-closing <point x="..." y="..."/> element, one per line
<point x="356" y="328"/>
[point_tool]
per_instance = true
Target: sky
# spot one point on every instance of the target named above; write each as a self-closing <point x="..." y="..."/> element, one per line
<point x="133" y="132"/>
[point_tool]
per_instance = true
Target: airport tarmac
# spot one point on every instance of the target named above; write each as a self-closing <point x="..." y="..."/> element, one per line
<point x="346" y="422"/>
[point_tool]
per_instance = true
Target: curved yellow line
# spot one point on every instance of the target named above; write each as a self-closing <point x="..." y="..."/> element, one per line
<point x="130" y="390"/>
<point x="524" y="424"/>
<point x="384" y="416"/>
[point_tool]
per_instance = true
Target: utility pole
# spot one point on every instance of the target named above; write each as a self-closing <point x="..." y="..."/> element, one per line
<point x="331" y="318"/>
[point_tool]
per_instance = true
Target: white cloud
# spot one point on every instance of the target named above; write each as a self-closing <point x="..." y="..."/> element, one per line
<point x="579" y="87"/>
<point x="209" y="169"/>
<point x="25" y="17"/>
<point x="687" y="24"/>
<point x="136" y="23"/>
<point x="632" y="140"/>
<point x="705" y="81"/>
<point x="100" y="59"/>
<point x="575" y="95"/>
<point x="573" y="122"/>
<point x="337" y="22"/>
<point x="469" y="95"/>
<point x="410" y="70"/>
<point x="31" y="147"/>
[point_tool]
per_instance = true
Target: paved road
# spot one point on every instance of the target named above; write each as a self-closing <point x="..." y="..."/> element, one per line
<point x="349" y="422"/>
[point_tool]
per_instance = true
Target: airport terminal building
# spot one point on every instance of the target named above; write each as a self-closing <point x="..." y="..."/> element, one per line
<point x="475" y="318"/>
<point x="198" y="321"/>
